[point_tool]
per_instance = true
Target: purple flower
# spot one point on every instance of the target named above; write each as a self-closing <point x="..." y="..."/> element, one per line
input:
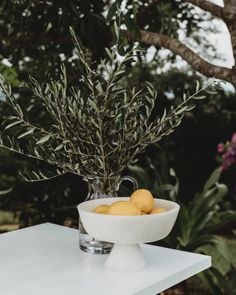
<point x="232" y="151"/>
<point x="228" y="153"/>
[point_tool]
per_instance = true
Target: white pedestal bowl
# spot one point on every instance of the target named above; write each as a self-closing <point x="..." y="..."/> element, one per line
<point x="127" y="232"/>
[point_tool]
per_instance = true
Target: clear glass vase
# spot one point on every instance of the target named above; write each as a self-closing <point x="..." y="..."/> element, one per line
<point x="100" y="187"/>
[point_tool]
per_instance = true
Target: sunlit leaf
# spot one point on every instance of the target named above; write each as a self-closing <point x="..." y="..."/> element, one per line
<point x="44" y="139"/>
<point x="28" y="132"/>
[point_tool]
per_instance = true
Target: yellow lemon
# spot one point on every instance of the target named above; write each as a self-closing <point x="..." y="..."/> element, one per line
<point x="123" y="208"/>
<point x="101" y="209"/>
<point x="158" y="210"/>
<point x="143" y="199"/>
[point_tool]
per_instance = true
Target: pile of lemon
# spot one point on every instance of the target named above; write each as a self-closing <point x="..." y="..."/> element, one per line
<point x="141" y="202"/>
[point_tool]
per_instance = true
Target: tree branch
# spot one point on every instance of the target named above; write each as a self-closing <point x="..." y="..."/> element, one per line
<point x="230" y="10"/>
<point x="214" y="9"/>
<point x="227" y="14"/>
<point x="197" y="62"/>
<point x="230" y="20"/>
<point x="232" y="29"/>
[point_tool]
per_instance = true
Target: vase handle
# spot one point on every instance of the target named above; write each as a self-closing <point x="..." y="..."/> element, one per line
<point x="131" y="179"/>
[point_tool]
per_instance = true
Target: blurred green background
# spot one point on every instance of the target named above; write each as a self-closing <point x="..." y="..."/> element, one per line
<point x="35" y="40"/>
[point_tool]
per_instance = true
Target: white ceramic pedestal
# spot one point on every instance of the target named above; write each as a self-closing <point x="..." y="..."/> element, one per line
<point x="125" y="258"/>
<point x="127" y="232"/>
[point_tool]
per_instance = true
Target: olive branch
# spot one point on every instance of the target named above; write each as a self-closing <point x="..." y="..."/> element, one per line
<point x="98" y="128"/>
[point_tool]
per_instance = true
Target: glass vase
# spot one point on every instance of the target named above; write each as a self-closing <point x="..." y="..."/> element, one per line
<point x="100" y="187"/>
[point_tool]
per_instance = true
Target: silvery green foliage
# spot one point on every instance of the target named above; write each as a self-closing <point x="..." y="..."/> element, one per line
<point x="98" y="129"/>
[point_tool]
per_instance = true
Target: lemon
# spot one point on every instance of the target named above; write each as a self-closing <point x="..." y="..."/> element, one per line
<point x="158" y="210"/>
<point x="143" y="199"/>
<point x="123" y="208"/>
<point x="101" y="209"/>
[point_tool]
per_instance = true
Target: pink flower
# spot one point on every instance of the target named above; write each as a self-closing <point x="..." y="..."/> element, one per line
<point x="220" y="148"/>
<point x="233" y="139"/>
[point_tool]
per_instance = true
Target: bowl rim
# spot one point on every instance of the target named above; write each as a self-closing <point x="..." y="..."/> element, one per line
<point x="168" y="212"/>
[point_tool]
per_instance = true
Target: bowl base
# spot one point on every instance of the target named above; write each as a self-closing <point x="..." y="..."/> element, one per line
<point x="125" y="258"/>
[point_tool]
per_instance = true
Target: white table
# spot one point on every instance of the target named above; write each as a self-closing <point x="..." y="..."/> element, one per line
<point x="46" y="260"/>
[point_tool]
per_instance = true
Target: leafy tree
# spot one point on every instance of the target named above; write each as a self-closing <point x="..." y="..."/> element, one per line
<point x="36" y="38"/>
<point x="143" y="25"/>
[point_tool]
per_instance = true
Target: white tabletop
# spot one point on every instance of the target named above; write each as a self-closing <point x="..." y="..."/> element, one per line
<point x="46" y="260"/>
